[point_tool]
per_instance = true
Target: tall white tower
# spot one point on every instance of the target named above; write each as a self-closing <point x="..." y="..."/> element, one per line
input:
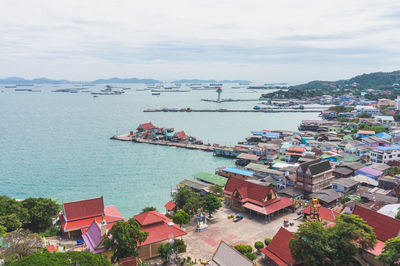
<point x="219" y="90"/>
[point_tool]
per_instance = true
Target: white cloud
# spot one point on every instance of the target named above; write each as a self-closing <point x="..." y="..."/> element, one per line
<point x="285" y="40"/>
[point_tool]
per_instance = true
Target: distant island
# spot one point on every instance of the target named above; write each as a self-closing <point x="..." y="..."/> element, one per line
<point x="22" y="81"/>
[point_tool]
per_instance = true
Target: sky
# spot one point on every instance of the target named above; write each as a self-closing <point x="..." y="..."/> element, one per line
<point x="259" y="40"/>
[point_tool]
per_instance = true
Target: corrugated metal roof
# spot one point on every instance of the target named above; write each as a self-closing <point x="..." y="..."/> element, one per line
<point x="239" y="171"/>
<point x="211" y="178"/>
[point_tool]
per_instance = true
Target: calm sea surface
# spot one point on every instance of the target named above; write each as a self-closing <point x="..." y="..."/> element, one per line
<point x="57" y="144"/>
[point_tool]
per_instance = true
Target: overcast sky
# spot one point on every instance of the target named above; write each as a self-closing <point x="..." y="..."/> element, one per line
<point x="272" y="41"/>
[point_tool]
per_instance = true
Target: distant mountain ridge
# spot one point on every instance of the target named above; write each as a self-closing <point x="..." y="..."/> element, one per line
<point x="368" y="81"/>
<point x="22" y="81"/>
<point x="209" y="81"/>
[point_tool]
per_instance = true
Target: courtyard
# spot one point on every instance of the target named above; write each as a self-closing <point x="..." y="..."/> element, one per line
<point x="202" y="245"/>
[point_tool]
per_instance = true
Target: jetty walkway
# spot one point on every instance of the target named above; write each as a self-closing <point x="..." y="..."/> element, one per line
<point x="277" y="110"/>
<point x="128" y="137"/>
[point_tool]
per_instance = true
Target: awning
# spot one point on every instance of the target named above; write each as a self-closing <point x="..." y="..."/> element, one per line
<point x="255" y="208"/>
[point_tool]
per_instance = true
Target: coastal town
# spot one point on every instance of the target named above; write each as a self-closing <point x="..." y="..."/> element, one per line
<point x="257" y="210"/>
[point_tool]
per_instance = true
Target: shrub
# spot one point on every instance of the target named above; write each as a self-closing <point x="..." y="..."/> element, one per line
<point x="244" y="248"/>
<point x="267" y="241"/>
<point x="251" y="256"/>
<point x="259" y="245"/>
<point x="180" y="246"/>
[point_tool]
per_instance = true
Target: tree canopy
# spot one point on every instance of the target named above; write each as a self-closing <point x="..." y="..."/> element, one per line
<point x="180" y="218"/>
<point x="41" y="212"/>
<point x="123" y="239"/>
<point x="187" y="200"/>
<point x="148" y="209"/>
<point x="210" y="203"/>
<point x="391" y="251"/>
<point x="313" y="244"/>
<point x="21" y="243"/>
<point x="33" y="213"/>
<point x="70" y="258"/>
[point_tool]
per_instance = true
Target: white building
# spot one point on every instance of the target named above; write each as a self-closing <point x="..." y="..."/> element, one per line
<point x="385" y="154"/>
<point x="397" y="103"/>
<point x="360" y="109"/>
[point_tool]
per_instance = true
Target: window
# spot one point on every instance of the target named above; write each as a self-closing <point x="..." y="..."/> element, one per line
<point x="334" y="186"/>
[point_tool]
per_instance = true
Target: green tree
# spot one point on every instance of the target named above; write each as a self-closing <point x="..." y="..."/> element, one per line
<point x="187" y="200"/>
<point x="179" y="245"/>
<point x="258" y="245"/>
<point x="123" y="239"/>
<point x="217" y="190"/>
<point x="10" y="221"/>
<point x="192" y="205"/>
<point x="391" y="252"/>
<point x="398" y="214"/>
<point x="9" y="206"/>
<point x="41" y="212"/>
<point x="69" y="258"/>
<point x="211" y="203"/>
<point x="310" y="244"/>
<point x="3" y="231"/>
<point x="148" y="209"/>
<point x="21" y="243"/>
<point x="364" y="115"/>
<point x="165" y="250"/>
<point x="342" y="236"/>
<point x="267" y="241"/>
<point x="181" y="217"/>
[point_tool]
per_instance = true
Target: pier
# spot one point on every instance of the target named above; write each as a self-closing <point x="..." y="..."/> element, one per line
<point x="128" y="137"/>
<point x="275" y="110"/>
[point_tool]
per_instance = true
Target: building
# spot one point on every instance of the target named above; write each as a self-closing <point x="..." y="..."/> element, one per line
<point x="278" y="251"/>
<point x="375" y="141"/>
<point x="146" y="127"/>
<point x="256" y="198"/>
<point x="77" y="216"/>
<point x="345" y="170"/>
<point x="327" y="197"/>
<point x="211" y="178"/>
<point x="328" y="114"/>
<point x="180" y="135"/>
<point x="365" y="133"/>
<point x="370" y="172"/>
<point x="170" y="207"/>
<point x="196" y="185"/>
<point x="314" y="175"/>
<point x="160" y="230"/>
<point x="344" y="185"/>
<point x="385" y="154"/>
<point x="397" y="103"/>
<point x="293" y="153"/>
<point x="95" y="236"/>
<point x="236" y="172"/>
<point x="367" y="109"/>
<point x="385" y="227"/>
<point x="226" y="255"/>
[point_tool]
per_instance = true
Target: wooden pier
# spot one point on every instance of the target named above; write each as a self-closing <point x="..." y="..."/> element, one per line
<point x="276" y="110"/>
<point x="128" y="137"/>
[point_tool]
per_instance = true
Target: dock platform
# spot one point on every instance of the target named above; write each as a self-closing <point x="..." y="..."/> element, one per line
<point x="277" y="110"/>
<point x="127" y="137"/>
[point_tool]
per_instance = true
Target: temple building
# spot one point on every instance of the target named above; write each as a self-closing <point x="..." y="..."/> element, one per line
<point x="77" y="216"/>
<point x="256" y="198"/>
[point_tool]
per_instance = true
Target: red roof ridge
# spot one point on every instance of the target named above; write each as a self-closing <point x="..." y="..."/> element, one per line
<point x="75" y="210"/>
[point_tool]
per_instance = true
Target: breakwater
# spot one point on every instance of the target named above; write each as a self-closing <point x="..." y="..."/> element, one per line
<point x="277" y="110"/>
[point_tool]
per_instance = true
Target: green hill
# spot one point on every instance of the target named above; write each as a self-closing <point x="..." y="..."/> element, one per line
<point x="372" y="80"/>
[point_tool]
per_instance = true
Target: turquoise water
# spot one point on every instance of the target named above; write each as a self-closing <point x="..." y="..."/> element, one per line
<point x="57" y="144"/>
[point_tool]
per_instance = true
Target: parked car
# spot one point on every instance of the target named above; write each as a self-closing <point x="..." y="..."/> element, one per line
<point x="237" y="218"/>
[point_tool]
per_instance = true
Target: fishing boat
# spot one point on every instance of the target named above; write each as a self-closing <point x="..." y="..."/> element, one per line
<point x="156" y="93"/>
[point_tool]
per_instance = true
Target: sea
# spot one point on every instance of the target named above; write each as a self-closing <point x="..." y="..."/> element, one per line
<point x="57" y="145"/>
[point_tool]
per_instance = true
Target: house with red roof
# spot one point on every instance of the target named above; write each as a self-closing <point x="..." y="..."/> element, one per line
<point x="77" y="216"/>
<point x="181" y="135"/>
<point x="385" y="227"/>
<point x="160" y="230"/>
<point x="293" y="153"/>
<point x="170" y="206"/>
<point x="278" y="251"/>
<point x="256" y="198"/>
<point x="146" y="127"/>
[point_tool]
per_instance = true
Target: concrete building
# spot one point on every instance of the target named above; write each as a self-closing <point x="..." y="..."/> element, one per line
<point x="314" y="175"/>
<point x="385" y="154"/>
